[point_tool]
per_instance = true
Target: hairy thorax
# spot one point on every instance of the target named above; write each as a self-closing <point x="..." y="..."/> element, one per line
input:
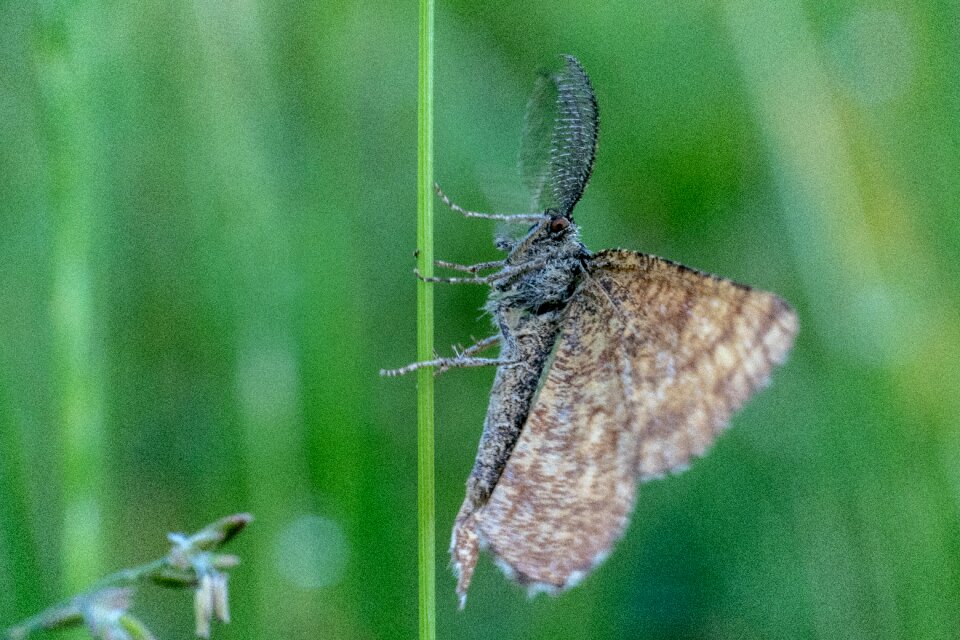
<point x="549" y="266"/>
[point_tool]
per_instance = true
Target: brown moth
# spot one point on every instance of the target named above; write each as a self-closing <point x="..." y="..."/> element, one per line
<point x="614" y="367"/>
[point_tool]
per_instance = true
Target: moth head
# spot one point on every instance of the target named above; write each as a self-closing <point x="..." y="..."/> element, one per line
<point x="556" y="235"/>
<point x="557" y="228"/>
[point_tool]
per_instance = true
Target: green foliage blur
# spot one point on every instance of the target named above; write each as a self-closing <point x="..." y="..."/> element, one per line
<point x="207" y="220"/>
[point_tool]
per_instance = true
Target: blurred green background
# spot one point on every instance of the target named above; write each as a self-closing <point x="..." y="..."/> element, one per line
<point x="207" y="220"/>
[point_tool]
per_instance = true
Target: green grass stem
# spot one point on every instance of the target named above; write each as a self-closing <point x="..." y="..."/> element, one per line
<point x="426" y="520"/>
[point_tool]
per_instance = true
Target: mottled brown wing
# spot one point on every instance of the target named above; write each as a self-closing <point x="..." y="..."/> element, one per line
<point x="652" y="361"/>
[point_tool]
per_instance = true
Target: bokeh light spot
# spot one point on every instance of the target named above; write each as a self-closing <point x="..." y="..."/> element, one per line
<point x="311" y="552"/>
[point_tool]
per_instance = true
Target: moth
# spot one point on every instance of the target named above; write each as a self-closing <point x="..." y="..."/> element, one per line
<point x="614" y="367"/>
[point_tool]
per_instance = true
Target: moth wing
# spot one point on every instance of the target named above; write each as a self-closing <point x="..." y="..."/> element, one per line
<point x="652" y="360"/>
<point x="697" y="347"/>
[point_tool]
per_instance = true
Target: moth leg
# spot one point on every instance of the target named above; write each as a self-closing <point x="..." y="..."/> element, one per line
<point x="475" y="348"/>
<point x="470" y="268"/>
<point x="503" y="274"/>
<point x="444" y="364"/>
<point x="480" y="345"/>
<point x="507" y="217"/>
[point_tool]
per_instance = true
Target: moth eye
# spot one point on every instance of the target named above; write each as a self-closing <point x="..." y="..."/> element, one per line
<point x="558" y="224"/>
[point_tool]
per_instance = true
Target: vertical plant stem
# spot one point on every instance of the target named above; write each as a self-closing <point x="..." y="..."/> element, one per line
<point x="425" y="472"/>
